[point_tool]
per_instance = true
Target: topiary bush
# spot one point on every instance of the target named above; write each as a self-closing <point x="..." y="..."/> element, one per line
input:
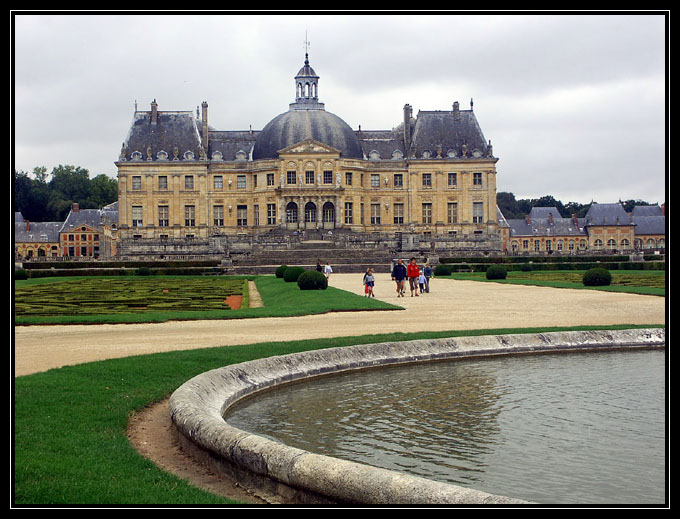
<point x="20" y="274"/>
<point x="597" y="277"/>
<point x="280" y="271"/>
<point x="496" y="272"/>
<point x="312" y="280"/>
<point x="291" y="274"/>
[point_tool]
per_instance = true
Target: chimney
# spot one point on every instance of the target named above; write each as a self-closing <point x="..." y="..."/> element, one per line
<point x="154" y="112"/>
<point x="551" y="219"/>
<point x="75" y="208"/>
<point x="28" y="225"/>
<point x="456" y="110"/>
<point x="408" y="112"/>
<point x="528" y="220"/>
<point x="575" y="218"/>
<point x="204" y="121"/>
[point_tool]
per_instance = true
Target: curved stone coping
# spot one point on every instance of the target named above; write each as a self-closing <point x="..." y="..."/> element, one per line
<point x="198" y="406"/>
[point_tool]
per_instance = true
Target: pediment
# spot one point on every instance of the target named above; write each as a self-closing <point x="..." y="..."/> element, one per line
<point x="309" y="146"/>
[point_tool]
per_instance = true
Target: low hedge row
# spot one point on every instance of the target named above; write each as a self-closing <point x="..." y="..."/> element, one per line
<point x="446" y="269"/>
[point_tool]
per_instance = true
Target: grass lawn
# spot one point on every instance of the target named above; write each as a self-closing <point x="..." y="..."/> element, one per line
<point x="70" y="445"/>
<point x="135" y="299"/>
<point x="646" y="282"/>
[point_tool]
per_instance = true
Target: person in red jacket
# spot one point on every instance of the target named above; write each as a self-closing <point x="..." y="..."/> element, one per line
<point x="412" y="272"/>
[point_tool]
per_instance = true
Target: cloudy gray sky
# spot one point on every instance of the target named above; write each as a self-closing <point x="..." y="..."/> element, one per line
<point x="574" y="104"/>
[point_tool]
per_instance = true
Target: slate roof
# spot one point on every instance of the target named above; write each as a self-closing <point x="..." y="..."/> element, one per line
<point x="172" y="129"/>
<point x="90" y="217"/>
<point x="452" y="130"/>
<point x="539" y="223"/>
<point x="35" y="232"/>
<point x="607" y="214"/>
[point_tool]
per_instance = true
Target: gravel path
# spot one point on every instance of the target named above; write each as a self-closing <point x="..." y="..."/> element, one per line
<point x="451" y="305"/>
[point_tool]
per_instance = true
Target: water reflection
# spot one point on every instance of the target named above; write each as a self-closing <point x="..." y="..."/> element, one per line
<point x="577" y="428"/>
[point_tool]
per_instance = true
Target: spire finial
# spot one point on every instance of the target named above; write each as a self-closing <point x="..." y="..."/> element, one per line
<point x="306" y="44"/>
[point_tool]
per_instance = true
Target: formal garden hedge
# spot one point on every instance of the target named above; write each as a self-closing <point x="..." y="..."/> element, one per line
<point x="126" y="295"/>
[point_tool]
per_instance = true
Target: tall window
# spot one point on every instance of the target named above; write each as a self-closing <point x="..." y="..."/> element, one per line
<point x="349" y="211"/>
<point x="478" y="212"/>
<point x="218" y="215"/>
<point x="270" y="179"/>
<point x="348" y="178"/>
<point x="375" y="214"/>
<point x="477" y="179"/>
<point x="242" y="215"/>
<point x="291" y="212"/>
<point x="240" y="181"/>
<point x="163" y="216"/>
<point x="452" y="212"/>
<point x="189" y="216"/>
<point x="162" y="183"/>
<point x="309" y="177"/>
<point x="290" y="177"/>
<point x="137" y="220"/>
<point x="427" y="180"/>
<point x="327" y="177"/>
<point x="427" y="213"/>
<point x="453" y="179"/>
<point x="189" y="182"/>
<point x="398" y="210"/>
<point x="375" y="180"/>
<point x="256" y="215"/>
<point x="271" y="214"/>
<point x="136" y="183"/>
<point x="218" y="182"/>
<point x="398" y="180"/>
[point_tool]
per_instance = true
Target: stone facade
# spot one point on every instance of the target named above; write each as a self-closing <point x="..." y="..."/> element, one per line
<point x="307" y="170"/>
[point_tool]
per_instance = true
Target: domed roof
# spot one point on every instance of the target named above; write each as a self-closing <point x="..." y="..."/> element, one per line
<point x="295" y="126"/>
<point x="307" y="118"/>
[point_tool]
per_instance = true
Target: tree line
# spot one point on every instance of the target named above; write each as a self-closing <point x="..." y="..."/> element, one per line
<point x="41" y="200"/>
<point x="515" y="209"/>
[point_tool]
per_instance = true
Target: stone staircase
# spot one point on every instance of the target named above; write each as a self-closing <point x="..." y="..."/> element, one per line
<point x="307" y="253"/>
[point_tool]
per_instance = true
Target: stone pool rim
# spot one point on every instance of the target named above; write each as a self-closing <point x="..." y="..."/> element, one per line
<point x="297" y="476"/>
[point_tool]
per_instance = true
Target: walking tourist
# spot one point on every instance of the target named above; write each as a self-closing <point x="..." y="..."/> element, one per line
<point x="399" y="275"/>
<point x="428" y="274"/>
<point x="328" y="270"/>
<point x="369" y="282"/>
<point x="319" y="268"/>
<point x="421" y="282"/>
<point x="412" y="271"/>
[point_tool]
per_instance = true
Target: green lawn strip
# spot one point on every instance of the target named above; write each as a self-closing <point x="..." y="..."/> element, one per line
<point x="632" y="282"/>
<point x="70" y="445"/>
<point x="141" y="299"/>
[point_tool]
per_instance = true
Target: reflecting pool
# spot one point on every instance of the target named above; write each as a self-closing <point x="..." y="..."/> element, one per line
<point x="586" y="428"/>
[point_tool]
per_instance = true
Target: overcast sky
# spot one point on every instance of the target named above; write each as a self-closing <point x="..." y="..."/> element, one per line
<point x="575" y="105"/>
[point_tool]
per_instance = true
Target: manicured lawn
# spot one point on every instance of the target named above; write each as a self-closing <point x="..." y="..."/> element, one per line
<point x="649" y="282"/>
<point x="134" y="299"/>
<point x="70" y="445"/>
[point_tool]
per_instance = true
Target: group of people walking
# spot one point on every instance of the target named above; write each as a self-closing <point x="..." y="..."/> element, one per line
<point x="418" y="279"/>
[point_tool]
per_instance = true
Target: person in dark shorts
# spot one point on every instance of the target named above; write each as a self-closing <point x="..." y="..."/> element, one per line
<point x="399" y="275"/>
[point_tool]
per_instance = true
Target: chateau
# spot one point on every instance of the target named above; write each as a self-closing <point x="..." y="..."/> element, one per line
<point x="307" y="171"/>
<point x="426" y="186"/>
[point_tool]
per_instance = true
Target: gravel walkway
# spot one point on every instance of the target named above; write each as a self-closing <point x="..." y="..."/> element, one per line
<point x="450" y="305"/>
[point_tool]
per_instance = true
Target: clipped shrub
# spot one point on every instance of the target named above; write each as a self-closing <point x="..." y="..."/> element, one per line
<point x="291" y="274"/>
<point x="312" y="280"/>
<point x="496" y="272"/>
<point x="20" y="274"/>
<point x="597" y="277"/>
<point x="143" y="271"/>
<point x="280" y="271"/>
<point x="526" y="267"/>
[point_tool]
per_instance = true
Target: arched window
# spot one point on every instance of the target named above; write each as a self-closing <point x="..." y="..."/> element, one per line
<point x="310" y="212"/>
<point x="328" y="212"/>
<point x="291" y="212"/>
